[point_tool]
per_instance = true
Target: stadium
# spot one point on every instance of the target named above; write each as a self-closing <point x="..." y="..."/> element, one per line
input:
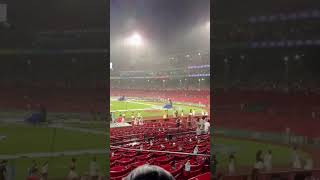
<point x="52" y="92"/>
<point x="266" y="95"/>
<point x="160" y="89"/>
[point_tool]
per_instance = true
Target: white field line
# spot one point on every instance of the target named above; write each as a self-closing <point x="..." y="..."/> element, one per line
<point x="61" y="153"/>
<point x="153" y="107"/>
<point x="54" y="154"/>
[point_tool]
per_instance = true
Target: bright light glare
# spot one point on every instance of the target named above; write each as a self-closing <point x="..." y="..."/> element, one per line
<point x="134" y="40"/>
<point x="208" y="25"/>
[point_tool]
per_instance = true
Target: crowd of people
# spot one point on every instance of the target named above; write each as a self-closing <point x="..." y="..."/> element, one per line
<point x="263" y="162"/>
<point x="38" y="171"/>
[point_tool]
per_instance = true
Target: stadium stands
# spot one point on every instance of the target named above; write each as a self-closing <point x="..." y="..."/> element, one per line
<point x="133" y="148"/>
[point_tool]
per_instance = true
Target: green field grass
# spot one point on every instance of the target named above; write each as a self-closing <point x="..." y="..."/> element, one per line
<point x="39" y="139"/>
<point x="59" y="166"/>
<point x="245" y="151"/>
<point x="21" y="139"/>
<point x="148" y="109"/>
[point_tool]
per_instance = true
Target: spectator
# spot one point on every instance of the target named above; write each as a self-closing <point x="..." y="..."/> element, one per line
<point x="196" y="150"/>
<point x="187" y="167"/>
<point x="44" y="171"/>
<point x="267" y="160"/>
<point x="94" y="169"/>
<point x="3" y="170"/>
<point x="259" y="161"/>
<point x="296" y="163"/>
<point x="72" y="175"/>
<point x="231" y="164"/>
<point x="207" y="127"/>
<point x="308" y="164"/>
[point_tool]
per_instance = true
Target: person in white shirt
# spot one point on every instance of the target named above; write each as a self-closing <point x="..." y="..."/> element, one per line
<point x="196" y="150"/>
<point x="202" y="113"/>
<point x="206" y="127"/>
<point x="94" y="169"/>
<point x="231" y="164"/>
<point x="267" y="160"/>
<point x="135" y="122"/>
<point x="259" y="161"/>
<point x="198" y="131"/>
<point x="140" y="121"/>
<point x="182" y="113"/>
<point x="296" y="161"/>
<point x="309" y="164"/>
<point x="187" y="167"/>
<point x="193" y="112"/>
<point x="44" y="171"/>
<point x="201" y="123"/>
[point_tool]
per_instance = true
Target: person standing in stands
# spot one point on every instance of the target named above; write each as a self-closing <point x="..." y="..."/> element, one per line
<point x="201" y="123"/>
<point x="308" y="164"/>
<point x="3" y="170"/>
<point x="196" y="150"/>
<point x="178" y="122"/>
<point x="207" y="127"/>
<point x="72" y="173"/>
<point x="187" y="168"/>
<point x="267" y="160"/>
<point x="189" y="121"/>
<point x="231" y="164"/>
<point x="123" y="116"/>
<point x="113" y="117"/>
<point x="132" y="117"/>
<point x="296" y="162"/>
<point x="259" y="161"/>
<point x="94" y="169"/>
<point x="44" y="171"/>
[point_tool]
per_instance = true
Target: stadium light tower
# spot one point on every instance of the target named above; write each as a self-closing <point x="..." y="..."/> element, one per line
<point x="134" y="40"/>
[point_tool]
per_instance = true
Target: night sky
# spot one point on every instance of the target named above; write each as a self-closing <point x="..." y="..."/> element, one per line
<point x="164" y="23"/>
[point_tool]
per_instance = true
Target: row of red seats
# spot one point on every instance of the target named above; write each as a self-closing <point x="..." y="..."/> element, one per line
<point x="128" y="156"/>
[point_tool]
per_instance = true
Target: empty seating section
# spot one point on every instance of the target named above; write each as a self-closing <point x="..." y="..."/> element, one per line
<point x="169" y="148"/>
<point x="191" y="96"/>
<point x="55" y="100"/>
<point x="279" y="111"/>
